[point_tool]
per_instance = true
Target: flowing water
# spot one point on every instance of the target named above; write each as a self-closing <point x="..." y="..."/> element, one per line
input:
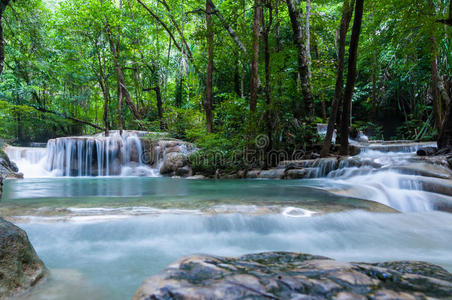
<point x="115" y="155"/>
<point x="102" y="236"/>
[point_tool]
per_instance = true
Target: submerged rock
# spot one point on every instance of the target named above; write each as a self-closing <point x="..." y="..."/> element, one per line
<point x="20" y="267"/>
<point x="281" y="275"/>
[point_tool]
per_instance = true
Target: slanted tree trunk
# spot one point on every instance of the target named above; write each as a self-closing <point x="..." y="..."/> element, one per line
<point x="295" y="14"/>
<point x="255" y="56"/>
<point x="228" y="27"/>
<point x="209" y="76"/>
<point x="347" y="12"/>
<point x="351" y="76"/>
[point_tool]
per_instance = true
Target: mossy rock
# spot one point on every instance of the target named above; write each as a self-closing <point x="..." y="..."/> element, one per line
<point x="20" y="266"/>
<point x="283" y="275"/>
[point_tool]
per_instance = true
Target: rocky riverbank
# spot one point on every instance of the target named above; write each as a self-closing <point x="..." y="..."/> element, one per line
<point x="280" y="275"/>
<point x="20" y="267"/>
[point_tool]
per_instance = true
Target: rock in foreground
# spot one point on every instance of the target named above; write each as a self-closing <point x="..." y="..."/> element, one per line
<point x="280" y="275"/>
<point x="20" y="267"/>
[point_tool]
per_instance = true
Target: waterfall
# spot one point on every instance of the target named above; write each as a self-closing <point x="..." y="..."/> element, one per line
<point x="390" y="174"/>
<point x="30" y="161"/>
<point x="115" y="155"/>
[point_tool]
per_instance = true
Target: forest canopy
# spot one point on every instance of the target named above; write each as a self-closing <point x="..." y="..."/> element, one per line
<point x="220" y="72"/>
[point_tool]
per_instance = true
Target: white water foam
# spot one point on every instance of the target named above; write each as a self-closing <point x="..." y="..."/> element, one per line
<point x="115" y="155"/>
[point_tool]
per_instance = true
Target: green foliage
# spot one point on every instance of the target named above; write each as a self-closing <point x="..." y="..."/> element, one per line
<point x="60" y="58"/>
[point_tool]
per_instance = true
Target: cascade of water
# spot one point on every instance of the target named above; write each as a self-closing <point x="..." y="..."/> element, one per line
<point x="390" y="176"/>
<point x="86" y="156"/>
<point x="30" y="161"/>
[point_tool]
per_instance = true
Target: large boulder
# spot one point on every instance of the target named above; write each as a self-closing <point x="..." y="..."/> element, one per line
<point x="281" y="275"/>
<point x="20" y="267"/>
<point x="175" y="155"/>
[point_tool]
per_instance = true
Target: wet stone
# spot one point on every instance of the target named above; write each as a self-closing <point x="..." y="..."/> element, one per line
<point x="283" y="275"/>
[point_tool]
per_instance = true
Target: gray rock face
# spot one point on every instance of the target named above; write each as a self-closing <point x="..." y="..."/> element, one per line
<point x="174" y="154"/>
<point x="20" y="267"/>
<point x="8" y="169"/>
<point x="281" y="275"/>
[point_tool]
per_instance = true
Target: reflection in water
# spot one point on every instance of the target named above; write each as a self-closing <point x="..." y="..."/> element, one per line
<point x="30" y="196"/>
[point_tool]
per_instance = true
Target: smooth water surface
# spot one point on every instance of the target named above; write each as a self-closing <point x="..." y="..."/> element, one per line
<point x="54" y="196"/>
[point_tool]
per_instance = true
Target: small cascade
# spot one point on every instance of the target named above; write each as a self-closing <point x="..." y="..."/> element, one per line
<point x="115" y="155"/>
<point x="30" y="161"/>
<point x="390" y="174"/>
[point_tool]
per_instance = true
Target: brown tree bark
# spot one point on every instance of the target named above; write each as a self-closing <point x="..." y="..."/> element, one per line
<point x="209" y="76"/>
<point x="295" y="14"/>
<point x="255" y="56"/>
<point x="351" y="76"/>
<point x="347" y="12"/>
<point x="268" y="90"/>
<point x="445" y="137"/>
<point x="434" y="75"/>
<point x="308" y="36"/>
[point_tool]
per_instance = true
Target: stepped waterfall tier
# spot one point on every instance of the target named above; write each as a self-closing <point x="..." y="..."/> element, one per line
<point x="126" y="154"/>
<point x="96" y="156"/>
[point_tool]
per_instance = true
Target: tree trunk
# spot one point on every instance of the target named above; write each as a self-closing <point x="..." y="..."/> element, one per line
<point x="351" y="76"/>
<point x="445" y="137"/>
<point x="268" y="98"/>
<point x="308" y="36"/>
<point x="103" y="82"/>
<point x="209" y="77"/>
<point x="158" y="94"/>
<point x="347" y="13"/>
<point x="255" y="56"/>
<point x="373" y="111"/>
<point x="303" y="66"/>
<point x="120" y="117"/>
<point x="434" y="75"/>
<point x="106" y="95"/>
